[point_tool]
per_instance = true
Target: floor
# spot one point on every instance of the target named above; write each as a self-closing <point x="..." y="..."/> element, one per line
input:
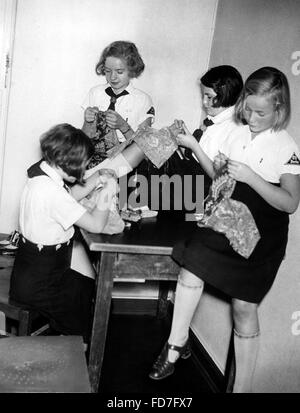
<point x="133" y="342"/>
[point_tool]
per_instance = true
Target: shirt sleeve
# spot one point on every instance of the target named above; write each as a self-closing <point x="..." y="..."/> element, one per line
<point x="65" y="210"/>
<point x="146" y="109"/>
<point x="94" y="97"/>
<point x="289" y="159"/>
<point x="87" y="101"/>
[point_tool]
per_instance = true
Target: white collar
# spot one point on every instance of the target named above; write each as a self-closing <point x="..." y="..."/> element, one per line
<point x="266" y="133"/>
<point x="224" y="115"/>
<point x="129" y="88"/>
<point x="51" y="173"/>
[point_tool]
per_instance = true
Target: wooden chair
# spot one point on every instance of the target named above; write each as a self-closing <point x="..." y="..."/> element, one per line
<point x="12" y="310"/>
<point x="43" y="364"/>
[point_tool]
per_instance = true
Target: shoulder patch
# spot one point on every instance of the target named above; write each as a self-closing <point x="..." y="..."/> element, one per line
<point x="294" y="160"/>
<point x="151" y="111"/>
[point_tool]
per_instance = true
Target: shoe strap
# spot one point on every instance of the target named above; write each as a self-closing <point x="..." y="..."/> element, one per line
<point x="175" y="348"/>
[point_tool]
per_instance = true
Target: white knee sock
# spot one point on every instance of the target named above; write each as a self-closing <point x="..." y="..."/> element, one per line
<point x="188" y="294"/>
<point x="245" y="350"/>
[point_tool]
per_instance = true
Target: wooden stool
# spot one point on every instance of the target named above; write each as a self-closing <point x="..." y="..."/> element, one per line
<point x="43" y="364"/>
<point x="13" y="310"/>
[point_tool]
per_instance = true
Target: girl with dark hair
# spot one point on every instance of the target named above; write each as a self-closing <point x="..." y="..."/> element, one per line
<point x="43" y="277"/>
<point x="220" y="89"/>
<point x="226" y="82"/>
<point x="263" y="161"/>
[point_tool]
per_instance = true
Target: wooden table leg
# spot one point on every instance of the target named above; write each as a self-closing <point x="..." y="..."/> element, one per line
<point x="101" y="316"/>
<point x="162" y="305"/>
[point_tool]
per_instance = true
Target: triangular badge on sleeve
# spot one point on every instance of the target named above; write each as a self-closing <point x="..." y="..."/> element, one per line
<point x="294" y="160"/>
<point x="151" y="111"/>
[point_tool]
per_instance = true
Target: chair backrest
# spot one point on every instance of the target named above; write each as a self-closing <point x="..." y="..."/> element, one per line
<point x="6" y="265"/>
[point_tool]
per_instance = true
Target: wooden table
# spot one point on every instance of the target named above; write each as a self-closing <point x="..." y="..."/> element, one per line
<point x="139" y="253"/>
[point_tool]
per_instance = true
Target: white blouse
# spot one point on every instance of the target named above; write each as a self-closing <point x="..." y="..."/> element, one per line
<point x="47" y="210"/>
<point x="270" y="154"/>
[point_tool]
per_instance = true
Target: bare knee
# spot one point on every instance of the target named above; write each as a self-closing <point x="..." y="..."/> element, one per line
<point x="188" y="279"/>
<point x="244" y="316"/>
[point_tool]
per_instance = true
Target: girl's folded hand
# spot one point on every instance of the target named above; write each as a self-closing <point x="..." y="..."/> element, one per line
<point x="240" y="171"/>
<point x="90" y="114"/>
<point x="219" y="160"/>
<point x="178" y="123"/>
<point x="186" y="139"/>
<point x="115" y="121"/>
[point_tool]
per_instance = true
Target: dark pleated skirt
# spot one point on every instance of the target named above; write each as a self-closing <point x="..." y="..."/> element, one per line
<point x="209" y="256"/>
<point x="179" y="167"/>
<point x="43" y="280"/>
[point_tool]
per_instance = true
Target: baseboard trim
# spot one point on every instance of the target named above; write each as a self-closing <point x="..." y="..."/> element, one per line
<point x="206" y="366"/>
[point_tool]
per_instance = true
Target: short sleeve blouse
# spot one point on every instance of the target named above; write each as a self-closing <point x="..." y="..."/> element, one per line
<point x="270" y="154"/>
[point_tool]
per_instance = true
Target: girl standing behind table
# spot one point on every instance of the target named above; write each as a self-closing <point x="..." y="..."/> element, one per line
<point x="264" y="161"/>
<point x="125" y="106"/>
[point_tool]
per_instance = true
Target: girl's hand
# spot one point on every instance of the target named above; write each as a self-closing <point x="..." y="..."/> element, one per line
<point x="95" y="180"/>
<point x="239" y="171"/>
<point x="115" y="121"/>
<point x="219" y="161"/>
<point x="90" y="114"/>
<point x="186" y="139"/>
<point x="107" y="179"/>
<point x="112" y="186"/>
<point x="178" y="123"/>
<point x="107" y="193"/>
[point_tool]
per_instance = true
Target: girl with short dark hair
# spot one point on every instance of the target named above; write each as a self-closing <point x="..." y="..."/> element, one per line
<point x="42" y="276"/>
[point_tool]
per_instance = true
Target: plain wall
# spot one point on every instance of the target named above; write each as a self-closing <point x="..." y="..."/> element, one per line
<point x="57" y="45"/>
<point x="249" y="35"/>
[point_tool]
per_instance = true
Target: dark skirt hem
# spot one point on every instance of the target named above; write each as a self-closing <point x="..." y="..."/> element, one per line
<point x="235" y="276"/>
<point x="226" y="289"/>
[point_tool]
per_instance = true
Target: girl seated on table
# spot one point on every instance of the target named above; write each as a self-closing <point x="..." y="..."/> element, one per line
<point x="220" y="89"/>
<point x="264" y="161"/>
<point x="43" y="277"/>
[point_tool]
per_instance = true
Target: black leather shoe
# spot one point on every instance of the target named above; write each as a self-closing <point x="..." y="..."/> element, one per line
<point x="162" y="367"/>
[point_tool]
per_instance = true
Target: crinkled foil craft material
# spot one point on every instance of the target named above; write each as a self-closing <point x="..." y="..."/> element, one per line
<point x="158" y="145"/>
<point x="115" y="224"/>
<point x="103" y="139"/>
<point x="230" y="217"/>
